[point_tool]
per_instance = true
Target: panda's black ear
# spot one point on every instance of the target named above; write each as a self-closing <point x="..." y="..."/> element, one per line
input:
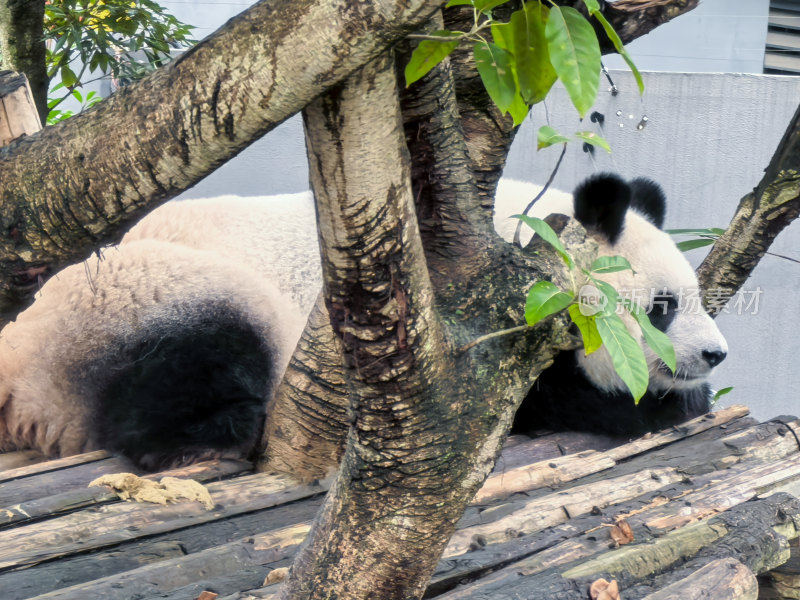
<point x="601" y="202"/>
<point x="648" y="199"/>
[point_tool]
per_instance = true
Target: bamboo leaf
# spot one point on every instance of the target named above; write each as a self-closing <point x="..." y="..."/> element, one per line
<point x="692" y="244"/>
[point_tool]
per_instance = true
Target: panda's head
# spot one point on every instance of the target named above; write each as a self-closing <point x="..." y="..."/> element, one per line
<point x="625" y="218"/>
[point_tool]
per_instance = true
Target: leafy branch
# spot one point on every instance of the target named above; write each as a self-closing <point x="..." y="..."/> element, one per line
<point x="540" y="43"/>
<point x="594" y="305"/>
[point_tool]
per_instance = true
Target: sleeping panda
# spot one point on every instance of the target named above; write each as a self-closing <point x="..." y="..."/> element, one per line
<point x="584" y="393"/>
<point x="165" y="348"/>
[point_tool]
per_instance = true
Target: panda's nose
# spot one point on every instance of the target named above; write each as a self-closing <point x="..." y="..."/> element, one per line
<point x="714" y="357"/>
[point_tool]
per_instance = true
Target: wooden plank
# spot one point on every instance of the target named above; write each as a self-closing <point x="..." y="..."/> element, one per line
<point x="20" y="458"/>
<point x="167" y="575"/>
<point x="76" y="494"/>
<point x="556" y="471"/>
<point x="723" y="579"/>
<point x="565" y="570"/>
<point x="784" y="18"/>
<point x="18" y="115"/>
<point x="679" y="432"/>
<point x="83" y="568"/>
<point x="116" y="523"/>
<point x="53" y="465"/>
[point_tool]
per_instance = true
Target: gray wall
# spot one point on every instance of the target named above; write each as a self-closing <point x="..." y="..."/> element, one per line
<point x="718" y="36"/>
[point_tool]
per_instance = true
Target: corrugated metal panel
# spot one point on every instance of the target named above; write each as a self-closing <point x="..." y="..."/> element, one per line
<point x="782" y="53"/>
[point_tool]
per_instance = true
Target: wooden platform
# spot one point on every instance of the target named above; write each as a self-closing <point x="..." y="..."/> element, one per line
<point x="699" y="511"/>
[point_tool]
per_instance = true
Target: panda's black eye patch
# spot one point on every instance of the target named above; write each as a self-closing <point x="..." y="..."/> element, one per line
<point x="662" y="310"/>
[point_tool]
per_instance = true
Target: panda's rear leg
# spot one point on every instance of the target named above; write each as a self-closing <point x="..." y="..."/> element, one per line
<point x="178" y="395"/>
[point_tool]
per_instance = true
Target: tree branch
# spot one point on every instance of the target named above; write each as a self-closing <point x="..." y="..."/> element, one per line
<point x="761" y="216"/>
<point x="78" y="185"/>
<point x="452" y="222"/>
<point x="634" y="18"/>
<point x="308" y="418"/>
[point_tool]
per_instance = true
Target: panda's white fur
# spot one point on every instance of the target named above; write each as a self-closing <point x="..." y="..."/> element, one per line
<point x="252" y="265"/>
<point x="166" y="271"/>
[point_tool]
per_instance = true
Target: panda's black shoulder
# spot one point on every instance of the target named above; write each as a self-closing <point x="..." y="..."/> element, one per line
<point x="564" y="399"/>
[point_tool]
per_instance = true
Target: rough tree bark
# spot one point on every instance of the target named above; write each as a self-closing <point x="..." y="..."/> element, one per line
<point x="22" y="46"/>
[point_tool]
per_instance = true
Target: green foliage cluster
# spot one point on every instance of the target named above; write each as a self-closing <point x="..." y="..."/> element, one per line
<point x="123" y="39"/>
<point x="599" y="321"/>
<point x="541" y="43"/>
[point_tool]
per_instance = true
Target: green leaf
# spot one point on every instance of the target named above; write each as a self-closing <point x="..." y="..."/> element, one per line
<point x="548" y="136"/>
<point x="486" y="6"/>
<point x="518" y="109"/>
<point x="459" y="3"/>
<point x="588" y="328"/>
<point x="68" y="76"/>
<point x="494" y="67"/>
<point x="428" y="54"/>
<point x="658" y="341"/>
<point x="535" y="74"/>
<point x="719" y="394"/>
<point x="503" y="37"/>
<point x="544" y="299"/>
<point x="626" y="354"/>
<point x="546" y="232"/>
<point x="714" y="232"/>
<point x="594" y="10"/>
<point x="610" y="264"/>
<point x="692" y="244"/>
<point x="610" y="292"/>
<point x="575" y="55"/>
<point x="595" y="140"/>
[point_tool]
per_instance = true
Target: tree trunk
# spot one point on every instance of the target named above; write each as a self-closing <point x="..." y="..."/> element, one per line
<point x="22" y="46"/>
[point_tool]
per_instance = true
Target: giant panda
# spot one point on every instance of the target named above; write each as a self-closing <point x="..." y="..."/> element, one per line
<point x="166" y="348"/>
<point x="584" y="393"/>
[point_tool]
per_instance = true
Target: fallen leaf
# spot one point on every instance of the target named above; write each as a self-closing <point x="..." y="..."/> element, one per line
<point x="622" y="533"/>
<point x="603" y="590"/>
